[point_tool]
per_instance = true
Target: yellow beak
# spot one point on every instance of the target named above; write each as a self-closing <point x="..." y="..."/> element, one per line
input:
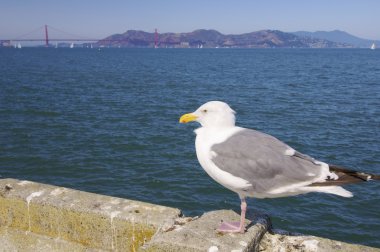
<point x="187" y="118"/>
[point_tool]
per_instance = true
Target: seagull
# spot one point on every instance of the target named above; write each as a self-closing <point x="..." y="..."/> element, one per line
<point x="254" y="164"/>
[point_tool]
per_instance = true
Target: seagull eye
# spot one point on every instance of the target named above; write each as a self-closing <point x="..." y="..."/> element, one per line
<point x="204" y="111"/>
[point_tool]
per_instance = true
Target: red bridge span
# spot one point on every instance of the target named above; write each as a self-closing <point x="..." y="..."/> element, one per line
<point x="46" y="38"/>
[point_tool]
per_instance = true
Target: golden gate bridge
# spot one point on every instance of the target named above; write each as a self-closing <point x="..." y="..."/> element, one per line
<point x="46" y="39"/>
<point x="45" y="29"/>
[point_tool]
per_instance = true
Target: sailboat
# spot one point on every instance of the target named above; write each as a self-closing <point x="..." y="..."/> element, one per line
<point x="19" y="46"/>
<point x="72" y="45"/>
<point x="373" y="46"/>
<point x="56" y="45"/>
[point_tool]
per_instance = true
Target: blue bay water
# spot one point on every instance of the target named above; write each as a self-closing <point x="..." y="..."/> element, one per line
<point x="107" y="122"/>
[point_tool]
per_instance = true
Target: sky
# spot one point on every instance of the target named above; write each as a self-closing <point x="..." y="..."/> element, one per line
<point x="97" y="19"/>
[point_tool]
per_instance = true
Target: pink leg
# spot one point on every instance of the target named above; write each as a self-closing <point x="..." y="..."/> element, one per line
<point x="235" y="227"/>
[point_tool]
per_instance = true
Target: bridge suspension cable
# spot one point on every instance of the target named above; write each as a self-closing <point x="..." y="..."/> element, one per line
<point x="56" y="35"/>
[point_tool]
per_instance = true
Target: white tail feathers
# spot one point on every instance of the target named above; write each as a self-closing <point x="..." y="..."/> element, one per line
<point x="337" y="190"/>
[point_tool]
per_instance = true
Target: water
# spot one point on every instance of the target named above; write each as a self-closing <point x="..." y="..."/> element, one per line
<point x="107" y="122"/>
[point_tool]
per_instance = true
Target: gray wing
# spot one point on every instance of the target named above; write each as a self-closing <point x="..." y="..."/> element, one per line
<point x="261" y="159"/>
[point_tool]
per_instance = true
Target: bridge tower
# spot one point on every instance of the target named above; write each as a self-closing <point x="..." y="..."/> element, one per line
<point x="46" y="37"/>
<point x="155" y="38"/>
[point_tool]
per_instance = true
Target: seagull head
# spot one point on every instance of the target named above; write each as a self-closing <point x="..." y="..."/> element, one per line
<point x="211" y="114"/>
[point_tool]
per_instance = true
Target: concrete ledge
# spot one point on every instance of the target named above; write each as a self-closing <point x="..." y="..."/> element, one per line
<point x="90" y="220"/>
<point x="285" y="241"/>
<point x="16" y="240"/>
<point x="201" y="235"/>
<point x="39" y="217"/>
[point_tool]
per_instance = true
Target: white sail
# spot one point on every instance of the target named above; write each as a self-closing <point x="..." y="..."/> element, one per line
<point x="19" y="45"/>
<point x="373" y="46"/>
<point x="72" y="45"/>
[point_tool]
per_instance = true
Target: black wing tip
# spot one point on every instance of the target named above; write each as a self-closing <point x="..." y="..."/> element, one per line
<point x="352" y="176"/>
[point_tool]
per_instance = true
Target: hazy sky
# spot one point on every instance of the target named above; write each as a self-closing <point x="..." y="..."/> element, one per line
<point x="100" y="18"/>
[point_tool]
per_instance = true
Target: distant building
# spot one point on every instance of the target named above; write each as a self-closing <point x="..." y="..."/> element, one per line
<point x="5" y="43"/>
<point x="185" y="45"/>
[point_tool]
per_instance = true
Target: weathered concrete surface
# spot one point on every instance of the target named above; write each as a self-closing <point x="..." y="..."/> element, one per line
<point x="38" y="217"/>
<point x="201" y="235"/>
<point x="287" y="242"/>
<point x="90" y="220"/>
<point x="16" y="240"/>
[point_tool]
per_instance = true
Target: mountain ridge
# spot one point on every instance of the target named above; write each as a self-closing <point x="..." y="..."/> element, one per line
<point x="209" y="38"/>
<point x="338" y="36"/>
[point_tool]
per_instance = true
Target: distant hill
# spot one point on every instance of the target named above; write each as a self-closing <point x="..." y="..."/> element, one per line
<point x="213" y="39"/>
<point x="338" y="37"/>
